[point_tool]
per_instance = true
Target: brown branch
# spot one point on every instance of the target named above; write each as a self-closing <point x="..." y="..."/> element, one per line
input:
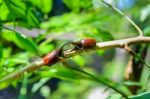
<point x="121" y="43"/>
<point x="102" y="45"/>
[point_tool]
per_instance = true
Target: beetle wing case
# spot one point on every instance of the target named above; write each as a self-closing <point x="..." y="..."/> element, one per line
<point x="52" y="57"/>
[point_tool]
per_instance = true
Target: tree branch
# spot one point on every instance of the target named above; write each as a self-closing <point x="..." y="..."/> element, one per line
<point x="102" y="45"/>
<point x="114" y="44"/>
<point x="121" y="43"/>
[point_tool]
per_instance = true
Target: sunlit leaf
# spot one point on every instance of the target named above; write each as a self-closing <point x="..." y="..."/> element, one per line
<point x="39" y="84"/>
<point x="76" y="5"/>
<point x="146" y="31"/>
<point x="7" y="51"/>
<point x="1" y="1"/>
<point x="13" y="61"/>
<point x="4" y="85"/>
<point x="44" y="5"/>
<point x="21" y="41"/>
<point x="58" y="21"/>
<point x="23" y="89"/>
<point x="3" y="11"/>
<point x="0" y="25"/>
<point x="104" y="35"/>
<point x="45" y="91"/>
<point x="18" y="9"/>
<point x="26" y="43"/>
<point x="46" y="48"/>
<point x="75" y="74"/>
<point x="79" y="60"/>
<point x="61" y="72"/>
<point x="1" y="51"/>
<point x="98" y="34"/>
<point x="115" y="96"/>
<point x="145" y="12"/>
<point x="130" y="83"/>
<point x="73" y="4"/>
<point x="32" y="20"/>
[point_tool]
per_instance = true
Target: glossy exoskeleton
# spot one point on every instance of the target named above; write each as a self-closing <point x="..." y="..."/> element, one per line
<point x="84" y="44"/>
<point x="52" y="58"/>
<point x="88" y="43"/>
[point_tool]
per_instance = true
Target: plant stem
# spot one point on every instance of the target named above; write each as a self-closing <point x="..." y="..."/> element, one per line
<point x="137" y="56"/>
<point x="126" y="17"/>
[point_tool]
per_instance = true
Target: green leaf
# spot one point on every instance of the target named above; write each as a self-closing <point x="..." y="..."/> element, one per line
<point x="76" y="5"/>
<point x="32" y="20"/>
<point x="103" y="80"/>
<point x="44" y="5"/>
<point x="147" y="31"/>
<point x="23" y="89"/>
<point x="15" y="8"/>
<point x="21" y="41"/>
<point x="80" y="60"/>
<point x="115" y="85"/>
<point x="1" y="51"/>
<point x="18" y="9"/>
<point x="58" y="21"/>
<point x="73" y="4"/>
<point x="61" y="72"/>
<point x="4" y="85"/>
<point x="3" y="11"/>
<point x="10" y="62"/>
<point x="115" y="96"/>
<point x="26" y="43"/>
<point x="0" y="25"/>
<point x="131" y="83"/>
<point x="1" y="1"/>
<point x="104" y="35"/>
<point x="45" y="91"/>
<point x="76" y="74"/>
<point x="145" y="95"/>
<point x="39" y="84"/>
<point x="85" y="3"/>
<point x="46" y="48"/>
<point x="145" y="12"/>
<point x="99" y="34"/>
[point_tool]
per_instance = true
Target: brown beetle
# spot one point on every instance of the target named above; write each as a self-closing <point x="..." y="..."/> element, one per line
<point x="84" y="44"/>
<point x="57" y="55"/>
<point x="88" y="43"/>
<point x="52" y="57"/>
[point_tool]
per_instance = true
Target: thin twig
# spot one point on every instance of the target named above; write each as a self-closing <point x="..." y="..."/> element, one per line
<point x="137" y="56"/>
<point x="126" y="17"/>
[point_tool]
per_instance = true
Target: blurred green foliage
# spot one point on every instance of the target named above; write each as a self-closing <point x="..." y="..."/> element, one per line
<point x="85" y="18"/>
